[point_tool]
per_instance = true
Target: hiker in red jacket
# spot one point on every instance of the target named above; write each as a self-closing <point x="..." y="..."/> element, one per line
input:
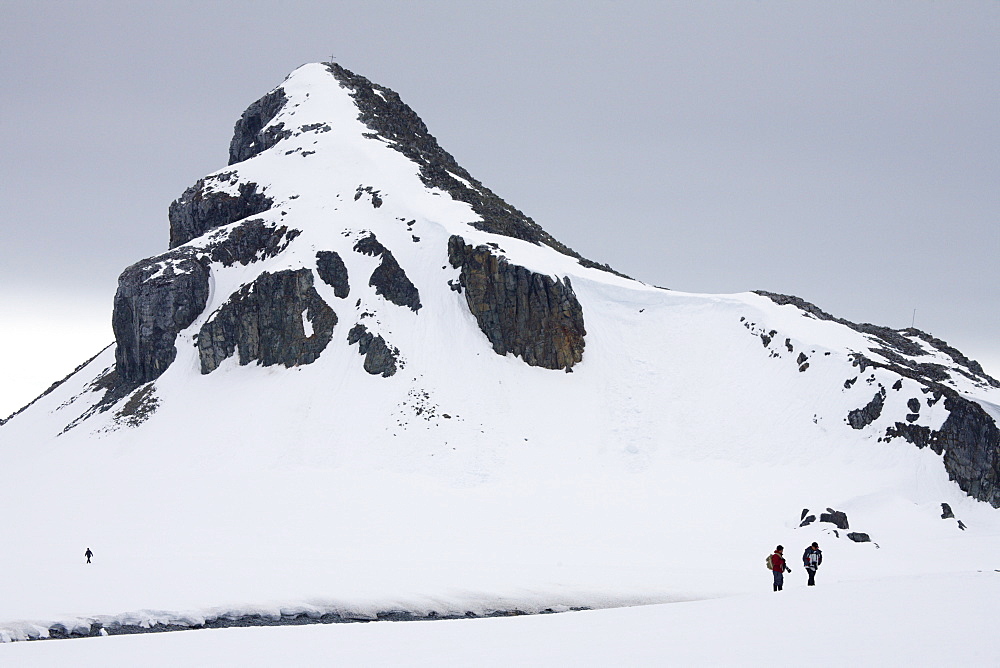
<point x="779" y="567"/>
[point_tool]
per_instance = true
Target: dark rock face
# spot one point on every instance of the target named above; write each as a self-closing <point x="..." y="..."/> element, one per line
<point x="858" y="537"/>
<point x="946" y="512"/>
<point x="806" y="521"/>
<point x="265" y="321"/>
<point x="530" y="315"/>
<point x="389" y="279"/>
<point x="332" y="270"/>
<point x="201" y="208"/>
<point x="391" y="119"/>
<point x="156" y="299"/>
<point x="971" y="444"/>
<point x="249" y="137"/>
<point x="862" y="417"/>
<point x="835" y="517"/>
<point x="380" y="358"/>
<point x="252" y="241"/>
<point x="916" y="434"/>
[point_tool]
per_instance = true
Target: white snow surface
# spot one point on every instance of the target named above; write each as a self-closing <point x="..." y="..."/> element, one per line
<point x="660" y="473"/>
<point x="937" y="620"/>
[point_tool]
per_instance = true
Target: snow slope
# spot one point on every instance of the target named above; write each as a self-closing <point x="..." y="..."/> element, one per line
<point x="663" y="469"/>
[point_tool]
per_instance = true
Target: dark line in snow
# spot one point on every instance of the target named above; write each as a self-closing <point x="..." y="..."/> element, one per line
<point x="97" y="628"/>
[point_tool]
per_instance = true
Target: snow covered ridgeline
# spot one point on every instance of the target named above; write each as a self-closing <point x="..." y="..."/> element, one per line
<point x="965" y="433"/>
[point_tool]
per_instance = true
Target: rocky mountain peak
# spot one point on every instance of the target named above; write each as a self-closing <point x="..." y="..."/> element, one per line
<point x="342" y="239"/>
<point x="311" y="165"/>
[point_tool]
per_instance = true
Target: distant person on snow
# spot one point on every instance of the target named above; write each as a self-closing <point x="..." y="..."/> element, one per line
<point x="88" y="554"/>
<point x="811" y="559"/>
<point x="776" y="562"/>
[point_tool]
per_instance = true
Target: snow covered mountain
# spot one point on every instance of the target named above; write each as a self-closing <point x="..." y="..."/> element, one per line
<point x="360" y="380"/>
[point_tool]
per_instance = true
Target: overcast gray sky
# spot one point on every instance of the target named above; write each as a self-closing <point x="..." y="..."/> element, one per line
<point x="847" y="153"/>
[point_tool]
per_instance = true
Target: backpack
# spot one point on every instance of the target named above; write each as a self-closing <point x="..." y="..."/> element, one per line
<point x="770" y="565"/>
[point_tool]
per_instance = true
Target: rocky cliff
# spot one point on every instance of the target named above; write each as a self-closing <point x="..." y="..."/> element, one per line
<point x="156" y="299"/>
<point x="277" y="319"/>
<point x="531" y="315"/>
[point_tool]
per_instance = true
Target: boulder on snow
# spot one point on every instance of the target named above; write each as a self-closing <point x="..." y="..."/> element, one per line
<point x="835" y="517"/>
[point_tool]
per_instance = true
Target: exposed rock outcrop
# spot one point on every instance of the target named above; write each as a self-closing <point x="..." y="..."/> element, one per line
<point x="380" y="357"/>
<point x="331" y="268"/>
<point x="204" y="207"/>
<point x="389" y="279"/>
<point x="249" y="135"/>
<point x="252" y="241"/>
<point x="531" y="315"/>
<point x="139" y="407"/>
<point x="267" y="321"/>
<point x="156" y="299"/>
<point x="835" y="517"/>
<point x="969" y="442"/>
<point x="860" y="418"/>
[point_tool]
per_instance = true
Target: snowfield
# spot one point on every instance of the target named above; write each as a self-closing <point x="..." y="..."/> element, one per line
<point x="947" y="619"/>
<point x="648" y="485"/>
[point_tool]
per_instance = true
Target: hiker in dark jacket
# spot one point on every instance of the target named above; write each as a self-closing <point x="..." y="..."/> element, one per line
<point x="88" y="554"/>
<point x="779" y="567"/>
<point x="811" y="559"/>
